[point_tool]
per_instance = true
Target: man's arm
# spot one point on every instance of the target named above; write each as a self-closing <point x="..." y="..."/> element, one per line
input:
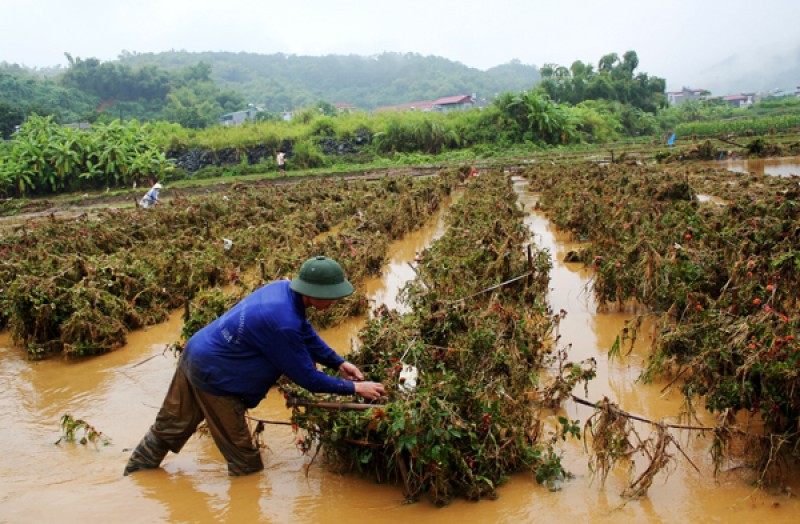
<point x="289" y="354"/>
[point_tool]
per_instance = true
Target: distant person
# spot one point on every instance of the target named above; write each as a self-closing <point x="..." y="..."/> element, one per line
<point x="671" y="140"/>
<point x="150" y="199"/>
<point x="229" y="366"/>
<point x="280" y="158"/>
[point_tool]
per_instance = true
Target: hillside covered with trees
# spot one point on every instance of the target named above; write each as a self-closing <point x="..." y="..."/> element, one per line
<point x="195" y="89"/>
<point x="283" y="82"/>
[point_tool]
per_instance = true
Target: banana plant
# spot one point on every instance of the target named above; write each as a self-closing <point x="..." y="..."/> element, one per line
<point x="66" y="159"/>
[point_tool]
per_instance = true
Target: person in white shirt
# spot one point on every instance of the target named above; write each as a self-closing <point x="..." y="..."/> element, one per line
<point x="150" y="199"/>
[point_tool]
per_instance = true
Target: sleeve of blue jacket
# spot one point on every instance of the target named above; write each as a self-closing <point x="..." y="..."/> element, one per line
<point x="295" y="361"/>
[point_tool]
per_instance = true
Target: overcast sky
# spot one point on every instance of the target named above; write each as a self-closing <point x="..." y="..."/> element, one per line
<point x="679" y="40"/>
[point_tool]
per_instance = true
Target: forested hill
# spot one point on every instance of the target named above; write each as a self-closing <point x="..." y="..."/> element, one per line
<point x="284" y="82"/>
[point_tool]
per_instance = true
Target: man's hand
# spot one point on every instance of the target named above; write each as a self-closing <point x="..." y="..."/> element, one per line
<point x="350" y="371"/>
<point x="370" y="390"/>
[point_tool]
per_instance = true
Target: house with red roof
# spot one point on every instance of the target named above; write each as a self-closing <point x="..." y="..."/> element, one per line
<point x="454" y="103"/>
<point x="742" y="100"/>
<point x="444" y="105"/>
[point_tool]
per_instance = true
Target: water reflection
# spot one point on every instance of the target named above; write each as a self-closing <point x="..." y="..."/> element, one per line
<point x="785" y="167"/>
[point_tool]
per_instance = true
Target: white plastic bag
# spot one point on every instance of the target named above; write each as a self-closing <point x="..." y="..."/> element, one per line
<point x="408" y="378"/>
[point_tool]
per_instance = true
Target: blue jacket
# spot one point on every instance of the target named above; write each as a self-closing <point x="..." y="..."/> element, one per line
<point x="266" y="335"/>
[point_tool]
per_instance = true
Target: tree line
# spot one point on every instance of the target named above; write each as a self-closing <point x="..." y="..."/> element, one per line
<point x="94" y="91"/>
<point x="195" y="89"/>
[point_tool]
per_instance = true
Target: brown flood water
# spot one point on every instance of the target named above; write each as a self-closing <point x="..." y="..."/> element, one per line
<point x="119" y="394"/>
<point x="786" y="166"/>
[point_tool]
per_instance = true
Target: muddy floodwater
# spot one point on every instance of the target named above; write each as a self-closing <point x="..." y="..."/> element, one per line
<point x="786" y="166"/>
<point x="119" y="394"/>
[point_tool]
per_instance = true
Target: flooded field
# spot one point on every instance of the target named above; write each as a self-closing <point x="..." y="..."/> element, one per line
<point x="764" y="166"/>
<point x="119" y="394"/>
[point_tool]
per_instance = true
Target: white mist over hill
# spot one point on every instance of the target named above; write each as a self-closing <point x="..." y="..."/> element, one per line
<point x="762" y="69"/>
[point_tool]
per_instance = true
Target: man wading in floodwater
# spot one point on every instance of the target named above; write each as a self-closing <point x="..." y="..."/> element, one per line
<point x="228" y="367"/>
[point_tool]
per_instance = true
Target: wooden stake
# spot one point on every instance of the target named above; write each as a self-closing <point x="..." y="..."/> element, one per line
<point x="334" y="406"/>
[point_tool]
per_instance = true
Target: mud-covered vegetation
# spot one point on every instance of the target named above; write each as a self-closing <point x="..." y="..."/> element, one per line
<point x="714" y="255"/>
<point x="80" y="285"/>
<point x="480" y="337"/>
<point x="710" y="253"/>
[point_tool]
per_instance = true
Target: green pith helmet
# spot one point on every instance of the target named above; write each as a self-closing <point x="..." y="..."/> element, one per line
<point x="322" y="277"/>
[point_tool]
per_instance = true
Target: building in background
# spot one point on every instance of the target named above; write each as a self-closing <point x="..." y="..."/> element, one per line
<point x="238" y="118"/>
<point x="676" y="98"/>
<point x="454" y="103"/>
<point x="740" y="101"/>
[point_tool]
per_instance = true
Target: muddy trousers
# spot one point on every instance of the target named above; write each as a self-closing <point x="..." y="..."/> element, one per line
<point x="183" y="409"/>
